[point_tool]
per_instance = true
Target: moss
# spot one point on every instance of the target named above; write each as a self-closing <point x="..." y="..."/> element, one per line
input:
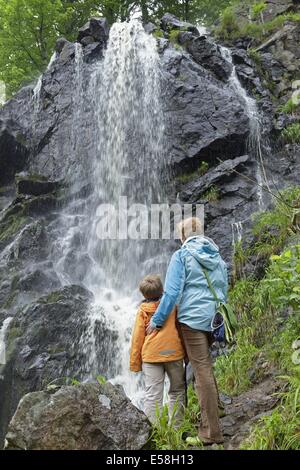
<point x="173" y="36"/>
<point x="11" y="227"/>
<point x="13" y="333"/>
<point x="31" y="177"/>
<point x="158" y="33"/>
<point x="200" y="171"/>
<point x="55" y="349"/>
<point x="52" y="298"/>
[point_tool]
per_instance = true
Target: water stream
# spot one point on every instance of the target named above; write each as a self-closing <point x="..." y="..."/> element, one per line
<point x="126" y="133"/>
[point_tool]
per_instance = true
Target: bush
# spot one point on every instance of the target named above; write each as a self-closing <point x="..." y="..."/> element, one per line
<point x="291" y="134"/>
<point x="229" y="27"/>
<point x="257" y="9"/>
<point x="289" y="107"/>
<point x="166" y="436"/>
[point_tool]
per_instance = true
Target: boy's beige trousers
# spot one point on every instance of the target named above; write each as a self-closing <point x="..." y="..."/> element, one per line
<point x="154" y="381"/>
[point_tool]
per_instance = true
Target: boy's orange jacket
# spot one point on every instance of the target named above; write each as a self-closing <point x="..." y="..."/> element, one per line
<point x="162" y="346"/>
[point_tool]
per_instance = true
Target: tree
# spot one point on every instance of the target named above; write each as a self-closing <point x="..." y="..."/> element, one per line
<point x="27" y="35"/>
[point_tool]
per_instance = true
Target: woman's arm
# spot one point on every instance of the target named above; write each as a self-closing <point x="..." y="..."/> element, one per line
<point x="174" y="284"/>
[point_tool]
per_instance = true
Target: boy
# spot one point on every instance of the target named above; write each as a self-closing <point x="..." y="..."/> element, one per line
<point x="158" y="353"/>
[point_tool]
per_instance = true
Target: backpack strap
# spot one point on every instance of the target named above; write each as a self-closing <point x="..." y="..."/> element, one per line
<point x="211" y="287"/>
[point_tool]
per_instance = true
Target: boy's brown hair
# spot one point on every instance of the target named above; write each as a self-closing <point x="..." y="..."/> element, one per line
<point x="151" y="286"/>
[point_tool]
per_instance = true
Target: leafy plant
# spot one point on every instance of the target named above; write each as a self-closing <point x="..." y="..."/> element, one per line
<point x="229" y="26"/>
<point x="173" y="36"/>
<point x="212" y="194"/>
<point x="101" y="380"/>
<point x="289" y="107"/>
<point x="167" y="435"/>
<point x="291" y="134"/>
<point x="158" y="33"/>
<point x="258" y="9"/>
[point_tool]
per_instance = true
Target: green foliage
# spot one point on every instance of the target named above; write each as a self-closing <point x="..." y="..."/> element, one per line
<point x="255" y="56"/>
<point x="273" y="228"/>
<point x="158" y="33"/>
<point x="212" y="194"/>
<point x="200" y="171"/>
<point x="167" y="435"/>
<point x="27" y="37"/>
<point x="229" y="26"/>
<point x="101" y="380"/>
<point x="289" y="107"/>
<point x="173" y="36"/>
<point x="260" y="303"/>
<point x="11" y="226"/>
<point x="52" y="298"/>
<point x="280" y="430"/>
<point x="291" y="134"/>
<point x="257" y="9"/>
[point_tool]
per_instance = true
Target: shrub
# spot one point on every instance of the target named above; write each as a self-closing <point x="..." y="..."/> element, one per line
<point x="291" y="134"/>
<point x="165" y="434"/>
<point x="289" y="107"/>
<point x="229" y="27"/>
<point x="257" y="9"/>
<point x="212" y="194"/>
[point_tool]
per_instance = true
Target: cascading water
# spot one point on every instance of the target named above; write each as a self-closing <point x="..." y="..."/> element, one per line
<point x="3" y="331"/>
<point x="127" y="133"/>
<point x="254" y="141"/>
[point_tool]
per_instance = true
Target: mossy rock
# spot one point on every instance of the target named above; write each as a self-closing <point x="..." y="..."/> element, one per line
<point x="12" y="225"/>
<point x="52" y="298"/>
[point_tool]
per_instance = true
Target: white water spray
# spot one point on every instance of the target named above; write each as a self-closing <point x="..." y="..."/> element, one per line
<point x="127" y="142"/>
<point x="254" y="142"/>
<point x="3" y="332"/>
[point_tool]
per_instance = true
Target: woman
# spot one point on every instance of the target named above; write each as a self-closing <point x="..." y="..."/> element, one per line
<point x="187" y="287"/>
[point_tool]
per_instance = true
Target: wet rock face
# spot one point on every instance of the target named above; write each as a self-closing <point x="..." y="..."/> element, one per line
<point x="42" y="344"/>
<point x="95" y="30"/>
<point x="14" y="150"/>
<point x="81" y="417"/>
<point x="206" y="120"/>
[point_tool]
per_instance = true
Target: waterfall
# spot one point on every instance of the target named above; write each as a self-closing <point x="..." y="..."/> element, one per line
<point x="38" y="87"/>
<point x="237" y="233"/>
<point x="3" y="331"/>
<point x="36" y="96"/>
<point x="126" y="138"/>
<point x="254" y="141"/>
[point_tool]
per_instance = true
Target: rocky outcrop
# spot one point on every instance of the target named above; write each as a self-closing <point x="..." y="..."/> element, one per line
<point x="43" y="341"/>
<point x="95" y="30"/>
<point x="82" y="417"/>
<point x="14" y="150"/>
<point x="170" y="22"/>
